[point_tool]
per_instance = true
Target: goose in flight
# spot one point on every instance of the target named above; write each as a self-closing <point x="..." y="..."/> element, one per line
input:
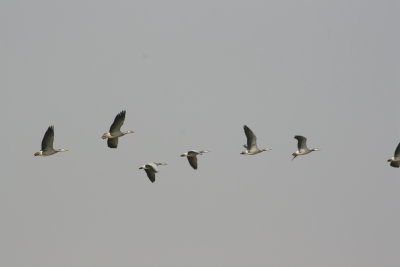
<point x="115" y="130"/>
<point x="395" y="160"/>
<point x="302" y="148"/>
<point x="47" y="144"/>
<point x="192" y="157"/>
<point x="251" y="147"/>
<point x="151" y="169"/>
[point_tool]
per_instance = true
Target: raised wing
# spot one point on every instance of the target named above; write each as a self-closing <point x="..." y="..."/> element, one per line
<point x="118" y="121"/>
<point x="251" y="138"/>
<point x="397" y="152"/>
<point x="48" y="139"/>
<point x="151" y="174"/>
<point x="193" y="162"/>
<point x="301" y="142"/>
<point x="112" y="142"/>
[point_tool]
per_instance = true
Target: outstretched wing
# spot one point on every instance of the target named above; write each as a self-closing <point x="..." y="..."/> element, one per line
<point x="112" y="142"/>
<point x="251" y="137"/>
<point x="395" y="164"/>
<point x="151" y="174"/>
<point x="193" y="162"/>
<point x="118" y="121"/>
<point x="301" y="142"/>
<point x="48" y="139"/>
<point x="397" y="152"/>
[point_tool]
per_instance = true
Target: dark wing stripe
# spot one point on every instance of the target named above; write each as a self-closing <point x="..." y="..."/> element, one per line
<point x="112" y="142"/>
<point x="118" y="121"/>
<point x="397" y="152"/>
<point x="193" y="162"/>
<point x="301" y="142"/>
<point x="251" y="137"/>
<point x="151" y="174"/>
<point x="48" y="139"/>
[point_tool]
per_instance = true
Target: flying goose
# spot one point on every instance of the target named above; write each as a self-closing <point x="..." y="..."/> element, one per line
<point x="251" y="147"/>
<point x="192" y="157"/>
<point x="302" y="147"/>
<point x="151" y="169"/>
<point x="47" y="144"/>
<point x="395" y="160"/>
<point x="115" y="130"/>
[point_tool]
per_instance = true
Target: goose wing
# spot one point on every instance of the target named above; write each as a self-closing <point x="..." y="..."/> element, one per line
<point x="151" y="174"/>
<point x="48" y="139"/>
<point x="118" y="121"/>
<point x="395" y="164"/>
<point x="151" y="169"/>
<point x="193" y="162"/>
<point x="112" y="142"/>
<point x="301" y="142"/>
<point x="397" y="151"/>
<point x="251" y="137"/>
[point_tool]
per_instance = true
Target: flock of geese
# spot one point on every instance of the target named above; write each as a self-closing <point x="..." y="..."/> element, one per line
<point x="151" y="168"/>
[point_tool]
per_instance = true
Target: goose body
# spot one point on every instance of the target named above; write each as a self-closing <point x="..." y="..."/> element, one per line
<point x="302" y="148"/>
<point x="115" y="130"/>
<point x="251" y="146"/>
<point x="192" y="156"/>
<point x="151" y="169"/>
<point x="47" y="144"/>
<point x="395" y="160"/>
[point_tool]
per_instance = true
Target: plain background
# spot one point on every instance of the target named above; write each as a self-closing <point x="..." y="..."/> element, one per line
<point x="190" y="74"/>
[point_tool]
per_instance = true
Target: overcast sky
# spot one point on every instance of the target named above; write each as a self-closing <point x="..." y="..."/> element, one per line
<point x="190" y="74"/>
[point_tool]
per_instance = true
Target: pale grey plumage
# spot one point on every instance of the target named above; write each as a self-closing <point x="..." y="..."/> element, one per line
<point x="302" y="148"/>
<point x="115" y="130"/>
<point x="151" y="169"/>
<point x="251" y="146"/>
<point x="47" y="144"/>
<point x="192" y="156"/>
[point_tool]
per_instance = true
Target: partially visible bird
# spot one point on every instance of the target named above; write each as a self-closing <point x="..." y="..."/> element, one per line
<point x="115" y="130"/>
<point x="395" y="160"/>
<point x="192" y="156"/>
<point x="47" y="144"/>
<point x="251" y="147"/>
<point x="302" y="148"/>
<point x="151" y="169"/>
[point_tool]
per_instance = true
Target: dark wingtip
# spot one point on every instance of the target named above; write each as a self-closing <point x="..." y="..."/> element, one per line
<point x="395" y="164"/>
<point x="110" y="146"/>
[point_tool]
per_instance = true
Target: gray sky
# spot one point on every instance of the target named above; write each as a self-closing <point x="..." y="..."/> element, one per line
<point x="190" y="74"/>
